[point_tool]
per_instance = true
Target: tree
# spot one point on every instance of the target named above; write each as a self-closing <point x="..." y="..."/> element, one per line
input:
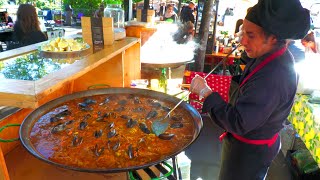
<point x="87" y="7"/>
<point x="3" y="2"/>
<point x="203" y="35"/>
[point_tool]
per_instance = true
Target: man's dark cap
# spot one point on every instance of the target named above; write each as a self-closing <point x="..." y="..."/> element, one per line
<point x="286" y="19"/>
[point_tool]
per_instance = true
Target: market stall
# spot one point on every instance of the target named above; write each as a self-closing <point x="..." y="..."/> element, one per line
<point x="29" y="80"/>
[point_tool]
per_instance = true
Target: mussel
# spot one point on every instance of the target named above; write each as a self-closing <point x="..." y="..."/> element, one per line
<point x="144" y="128"/>
<point x="69" y="122"/>
<point x="82" y="125"/>
<point x="165" y="108"/>
<point x="76" y="140"/>
<point x="116" y="146"/>
<point x="136" y="100"/>
<point x="112" y="133"/>
<point x="110" y="125"/>
<point x="166" y="136"/>
<point x="97" y="133"/>
<point x="57" y="128"/>
<point x="151" y="114"/>
<point x="131" y="123"/>
<point x="106" y="101"/>
<point x="130" y="152"/>
<point x="89" y="101"/>
<point x="110" y="115"/>
<point x="98" y="151"/>
<point x="176" y="125"/>
<point x="60" y="115"/>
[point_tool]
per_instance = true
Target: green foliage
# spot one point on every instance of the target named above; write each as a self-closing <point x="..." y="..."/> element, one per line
<point x="112" y="2"/>
<point x="29" y="67"/>
<point x="3" y="2"/>
<point x="87" y="7"/>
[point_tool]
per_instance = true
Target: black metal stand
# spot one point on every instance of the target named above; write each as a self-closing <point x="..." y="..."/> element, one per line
<point x="161" y="169"/>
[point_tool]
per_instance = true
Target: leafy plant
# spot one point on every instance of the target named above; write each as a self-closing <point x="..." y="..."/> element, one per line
<point x="29" y="67"/>
<point x="3" y="2"/>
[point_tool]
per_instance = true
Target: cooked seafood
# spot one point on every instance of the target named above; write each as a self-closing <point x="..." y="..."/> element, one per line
<point x="110" y="131"/>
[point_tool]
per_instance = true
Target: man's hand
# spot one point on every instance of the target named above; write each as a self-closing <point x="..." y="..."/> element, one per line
<point x="200" y="87"/>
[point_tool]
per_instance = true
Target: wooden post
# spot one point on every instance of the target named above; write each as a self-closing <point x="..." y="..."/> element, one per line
<point x="4" y="175"/>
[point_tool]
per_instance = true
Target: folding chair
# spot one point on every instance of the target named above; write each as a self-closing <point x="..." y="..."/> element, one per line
<point x="217" y="83"/>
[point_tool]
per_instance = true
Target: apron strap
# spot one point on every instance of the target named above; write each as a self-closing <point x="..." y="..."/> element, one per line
<point x="263" y="63"/>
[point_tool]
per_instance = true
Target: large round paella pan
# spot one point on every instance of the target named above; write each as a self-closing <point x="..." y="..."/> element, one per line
<point x="108" y="130"/>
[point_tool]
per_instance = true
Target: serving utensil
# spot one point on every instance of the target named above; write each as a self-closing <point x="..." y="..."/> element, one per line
<point x="161" y="125"/>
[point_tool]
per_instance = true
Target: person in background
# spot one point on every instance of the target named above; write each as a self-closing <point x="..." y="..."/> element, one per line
<point x="162" y="9"/>
<point x="100" y="12"/>
<point x="68" y="14"/>
<point x="185" y="33"/>
<point x="261" y="98"/>
<point x="187" y="13"/>
<point x="311" y="44"/>
<point x="238" y="30"/>
<point x="170" y="15"/>
<point x="27" y="26"/>
<point x="134" y="10"/>
<point x="8" y="19"/>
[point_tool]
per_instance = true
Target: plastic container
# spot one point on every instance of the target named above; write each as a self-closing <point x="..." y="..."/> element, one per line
<point x="115" y="11"/>
<point x="184" y="164"/>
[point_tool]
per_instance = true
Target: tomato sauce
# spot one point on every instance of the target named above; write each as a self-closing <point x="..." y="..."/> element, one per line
<point x="110" y="132"/>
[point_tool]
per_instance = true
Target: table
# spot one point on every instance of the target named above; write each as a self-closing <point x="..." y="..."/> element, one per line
<point x="211" y="59"/>
<point x="164" y="66"/>
<point x="6" y="34"/>
<point x="305" y="118"/>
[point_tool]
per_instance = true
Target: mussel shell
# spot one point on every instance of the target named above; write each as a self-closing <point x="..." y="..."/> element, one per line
<point x="144" y="128"/>
<point x="98" y="134"/>
<point x="57" y="128"/>
<point x="98" y="151"/>
<point x="176" y="125"/>
<point x="112" y="133"/>
<point x="151" y="114"/>
<point x="69" y="122"/>
<point x="165" y="108"/>
<point x="131" y="123"/>
<point x="136" y="100"/>
<point x="130" y="152"/>
<point x="76" y="140"/>
<point x="166" y="136"/>
<point x="89" y="101"/>
<point x="82" y="125"/>
<point x="60" y="115"/>
<point x="116" y="146"/>
<point x="111" y="125"/>
<point x="100" y="119"/>
<point x="109" y="115"/>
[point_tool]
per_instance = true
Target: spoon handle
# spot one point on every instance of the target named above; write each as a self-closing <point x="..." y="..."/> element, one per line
<point x="177" y="104"/>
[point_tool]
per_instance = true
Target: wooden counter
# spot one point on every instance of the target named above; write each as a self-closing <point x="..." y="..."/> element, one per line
<point x="115" y="65"/>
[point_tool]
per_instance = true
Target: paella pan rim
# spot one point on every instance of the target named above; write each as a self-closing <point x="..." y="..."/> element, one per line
<point x="29" y="121"/>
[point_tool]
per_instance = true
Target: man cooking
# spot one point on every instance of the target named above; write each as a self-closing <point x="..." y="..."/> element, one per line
<point x="259" y="100"/>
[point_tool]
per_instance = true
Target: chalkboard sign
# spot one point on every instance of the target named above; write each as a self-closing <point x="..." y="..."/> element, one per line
<point x="97" y="34"/>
